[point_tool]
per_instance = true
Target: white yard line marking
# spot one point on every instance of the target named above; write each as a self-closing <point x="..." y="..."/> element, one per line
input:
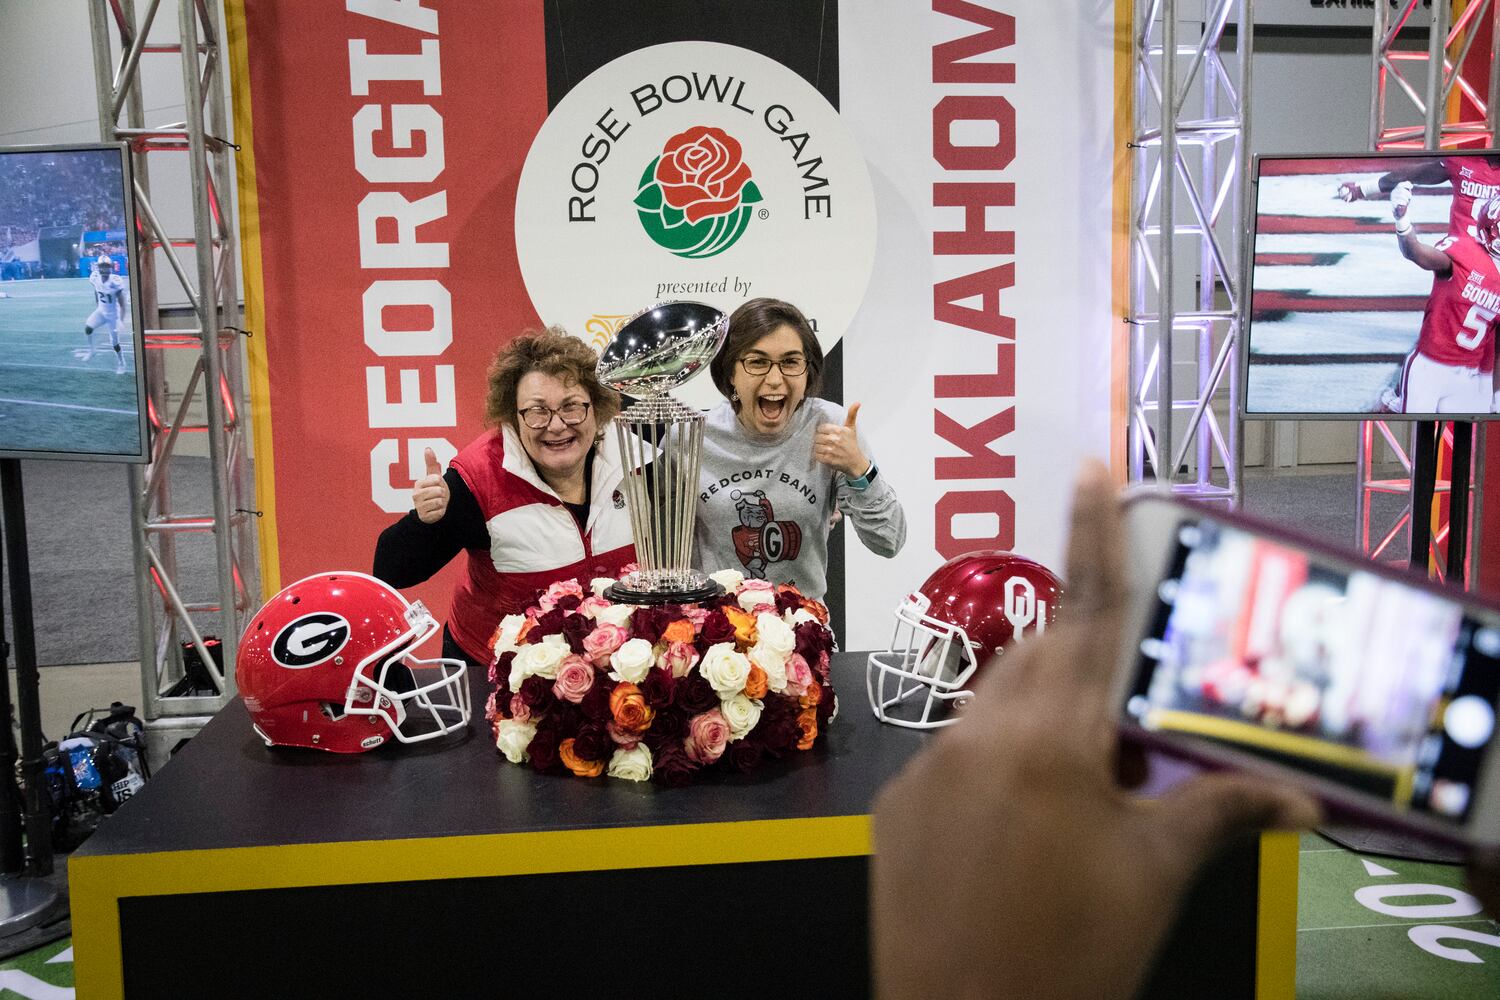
<point x="68" y="406"/>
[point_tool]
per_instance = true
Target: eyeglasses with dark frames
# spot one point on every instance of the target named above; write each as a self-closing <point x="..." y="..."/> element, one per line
<point x="791" y="367"/>
<point x="539" y="417"/>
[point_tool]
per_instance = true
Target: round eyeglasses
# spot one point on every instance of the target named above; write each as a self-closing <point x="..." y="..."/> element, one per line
<point x="538" y="417"/>
<point x="790" y="367"/>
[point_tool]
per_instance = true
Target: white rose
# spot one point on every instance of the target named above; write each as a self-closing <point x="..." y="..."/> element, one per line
<point x="632" y="765"/>
<point x="741" y="713"/>
<point x="726" y="669"/>
<point x="795" y="618"/>
<point x="632" y="661"/>
<point x="510" y="627"/>
<point x="774" y="634"/>
<point x="556" y="639"/>
<point x="615" y="614"/>
<point x="600" y="584"/>
<point x="756" y="597"/>
<point x="512" y="738"/>
<point x="539" y="659"/>
<point x="772" y="662"/>
<point x="729" y="579"/>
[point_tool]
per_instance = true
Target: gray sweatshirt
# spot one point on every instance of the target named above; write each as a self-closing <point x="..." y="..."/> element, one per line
<point x="765" y="504"/>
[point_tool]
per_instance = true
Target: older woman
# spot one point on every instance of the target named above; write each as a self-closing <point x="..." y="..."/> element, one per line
<point x="778" y="461"/>
<point x="533" y="500"/>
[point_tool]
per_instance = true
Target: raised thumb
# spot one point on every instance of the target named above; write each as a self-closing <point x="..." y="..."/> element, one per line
<point x="852" y="416"/>
<point x="433" y="468"/>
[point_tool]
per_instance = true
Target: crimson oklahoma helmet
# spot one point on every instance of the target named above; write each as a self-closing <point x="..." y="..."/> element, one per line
<point x="966" y="612"/>
<point x="327" y="663"/>
<point x="1487" y="224"/>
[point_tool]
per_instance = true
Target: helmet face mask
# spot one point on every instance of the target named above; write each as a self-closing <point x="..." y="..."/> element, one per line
<point x="328" y="663"/>
<point x="948" y="630"/>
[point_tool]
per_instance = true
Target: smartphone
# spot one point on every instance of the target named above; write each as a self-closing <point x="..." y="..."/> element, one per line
<point x="1250" y="648"/>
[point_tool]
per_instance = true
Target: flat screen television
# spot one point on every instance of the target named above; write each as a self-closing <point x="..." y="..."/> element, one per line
<point x="72" y="383"/>
<point x="1349" y="318"/>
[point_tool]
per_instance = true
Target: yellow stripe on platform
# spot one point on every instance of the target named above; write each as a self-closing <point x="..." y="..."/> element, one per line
<point x="255" y="299"/>
<point x="98" y="883"/>
<point x="1276" y="918"/>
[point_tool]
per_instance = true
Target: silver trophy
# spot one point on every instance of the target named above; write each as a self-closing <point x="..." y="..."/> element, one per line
<point x="661" y="442"/>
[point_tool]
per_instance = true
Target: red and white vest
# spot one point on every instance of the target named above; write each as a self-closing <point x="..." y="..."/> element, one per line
<point x="534" y="540"/>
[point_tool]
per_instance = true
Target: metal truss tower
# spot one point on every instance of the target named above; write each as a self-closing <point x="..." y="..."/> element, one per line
<point x="1455" y="112"/>
<point x="176" y="700"/>
<point x="1190" y="148"/>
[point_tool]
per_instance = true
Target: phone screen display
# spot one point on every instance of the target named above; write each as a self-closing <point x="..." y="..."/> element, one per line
<point x="1380" y="686"/>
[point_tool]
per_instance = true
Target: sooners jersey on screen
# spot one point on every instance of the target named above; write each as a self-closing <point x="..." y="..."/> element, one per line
<point x="1458" y="324"/>
<point x="1474" y="178"/>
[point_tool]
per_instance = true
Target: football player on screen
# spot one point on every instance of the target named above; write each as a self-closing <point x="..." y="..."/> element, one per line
<point x="111" y="298"/>
<point x="1473" y="178"/>
<point x="1451" y="369"/>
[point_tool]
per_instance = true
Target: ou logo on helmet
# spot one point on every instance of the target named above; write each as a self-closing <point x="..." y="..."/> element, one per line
<point x="309" y="640"/>
<point x="1022" y="607"/>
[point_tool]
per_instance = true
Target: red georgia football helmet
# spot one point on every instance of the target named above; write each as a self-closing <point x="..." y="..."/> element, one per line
<point x="1487" y="224"/>
<point x="327" y="663"/>
<point x="963" y="615"/>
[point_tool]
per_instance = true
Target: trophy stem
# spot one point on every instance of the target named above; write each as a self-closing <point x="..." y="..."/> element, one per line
<point x="662" y="443"/>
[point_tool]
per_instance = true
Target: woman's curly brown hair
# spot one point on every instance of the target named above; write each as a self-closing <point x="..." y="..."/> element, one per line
<point x="553" y="352"/>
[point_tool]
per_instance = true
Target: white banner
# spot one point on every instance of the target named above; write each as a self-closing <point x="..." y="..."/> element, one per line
<point x="982" y="350"/>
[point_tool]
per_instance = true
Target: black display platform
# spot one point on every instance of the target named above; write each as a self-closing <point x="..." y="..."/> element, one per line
<point x="443" y="870"/>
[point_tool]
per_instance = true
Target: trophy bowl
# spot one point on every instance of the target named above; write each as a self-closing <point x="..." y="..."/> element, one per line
<point x="661" y="443"/>
<point x="661" y="347"/>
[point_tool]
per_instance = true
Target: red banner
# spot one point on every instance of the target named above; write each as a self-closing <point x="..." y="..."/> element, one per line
<point x="380" y="259"/>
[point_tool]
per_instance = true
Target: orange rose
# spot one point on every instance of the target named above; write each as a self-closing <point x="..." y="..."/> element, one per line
<point x="582" y="768"/>
<point x="629" y="708"/>
<point x="818" y="609"/>
<point x="744" y="626"/>
<point x="807" y="721"/>
<point x="679" y="631"/>
<point x="756" y="686"/>
<point x="813" y="696"/>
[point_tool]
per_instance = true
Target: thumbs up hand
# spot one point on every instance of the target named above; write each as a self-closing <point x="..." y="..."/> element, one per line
<point x="837" y="446"/>
<point x="430" y="494"/>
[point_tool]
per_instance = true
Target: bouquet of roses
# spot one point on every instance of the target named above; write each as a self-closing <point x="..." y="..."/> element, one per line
<point x="661" y="692"/>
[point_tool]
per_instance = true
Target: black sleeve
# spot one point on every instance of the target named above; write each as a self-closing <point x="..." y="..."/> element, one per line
<point x="410" y="552"/>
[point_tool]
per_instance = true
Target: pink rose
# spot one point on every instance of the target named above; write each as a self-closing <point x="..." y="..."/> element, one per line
<point x="575" y="676"/>
<point x="603" y="641"/>
<point x="708" y="735"/>
<point x="519" y="710"/>
<point x="696" y="614"/>
<point x="678" y="658"/>
<point x="559" y="590"/>
<point x="799" y="675"/>
<point x="591" y="606"/>
<point x="489" y="707"/>
<point x="755" y="594"/>
<point x="627" y="740"/>
<point x="822" y="666"/>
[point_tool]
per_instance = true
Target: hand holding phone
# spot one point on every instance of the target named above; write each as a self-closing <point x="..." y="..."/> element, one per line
<point x="1017" y="808"/>
<point x="1250" y="648"/>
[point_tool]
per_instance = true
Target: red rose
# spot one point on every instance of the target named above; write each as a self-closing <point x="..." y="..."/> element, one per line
<point x="542" y="750"/>
<point x="671" y="766"/>
<point x="659" y="688"/>
<point x="701" y="172"/>
<point x="716" y="629"/>
<point x="695" y="694"/>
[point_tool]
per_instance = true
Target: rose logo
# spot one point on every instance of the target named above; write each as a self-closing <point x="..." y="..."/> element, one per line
<point x="695" y="198"/>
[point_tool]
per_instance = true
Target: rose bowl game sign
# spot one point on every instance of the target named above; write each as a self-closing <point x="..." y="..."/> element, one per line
<point x="694" y="170"/>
